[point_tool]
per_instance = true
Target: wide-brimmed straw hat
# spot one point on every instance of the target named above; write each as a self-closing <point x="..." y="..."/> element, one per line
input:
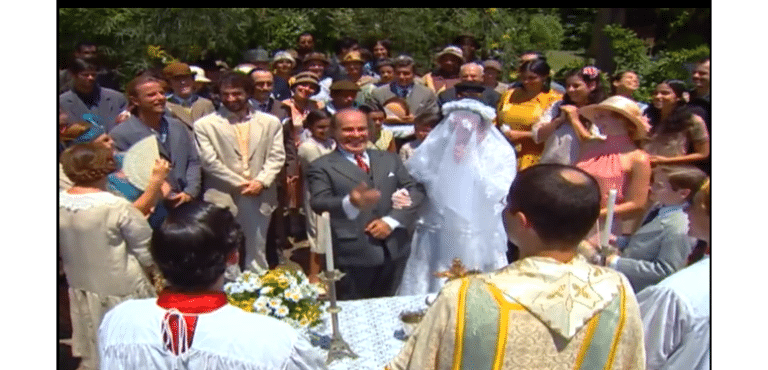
<point x="619" y="104"/>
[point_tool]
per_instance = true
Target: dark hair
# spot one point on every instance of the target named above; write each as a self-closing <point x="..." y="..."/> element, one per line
<point x="681" y="116"/>
<point x="237" y="79"/>
<point x="461" y="38"/>
<point x="427" y="118"/>
<point x="87" y="162"/>
<point x="305" y="34"/>
<point x="595" y="96"/>
<point x="381" y="63"/>
<point x="684" y="177"/>
<point x="78" y="65"/>
<point x="344" y="42"/>
<point x="559" y="209"/>
<point x="539" y="67"/>
<point x="539" y="55"/>
<point x="192" y="244"/>
<point x="403" y="61"/>
<point x="617" y="76"/>
<point x="314" y="116"/>
<point x="385" y="43"/>
<point x="82" y="43"/>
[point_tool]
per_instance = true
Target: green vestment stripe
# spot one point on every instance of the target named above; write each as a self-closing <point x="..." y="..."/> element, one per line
<point x="602" y="341"/>
<point x="481" y="327"/>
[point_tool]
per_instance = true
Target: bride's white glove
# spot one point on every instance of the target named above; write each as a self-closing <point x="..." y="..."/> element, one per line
<point x="401" y="199"/>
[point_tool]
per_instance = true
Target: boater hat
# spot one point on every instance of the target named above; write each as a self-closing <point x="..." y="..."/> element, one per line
<point x="619" y="104"/>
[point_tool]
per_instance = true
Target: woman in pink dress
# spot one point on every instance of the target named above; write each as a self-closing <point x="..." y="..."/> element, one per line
<point x="617" y="162"/>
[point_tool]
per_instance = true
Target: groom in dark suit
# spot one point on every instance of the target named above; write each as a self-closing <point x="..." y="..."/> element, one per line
<point x="370" y="238"/>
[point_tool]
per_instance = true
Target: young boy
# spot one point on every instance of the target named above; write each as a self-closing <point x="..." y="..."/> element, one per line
<point x="422" y="125"/>
<point x="661" y="245"/>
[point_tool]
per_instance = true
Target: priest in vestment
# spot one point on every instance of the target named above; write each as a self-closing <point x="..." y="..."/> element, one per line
<point x="551" y="308"/>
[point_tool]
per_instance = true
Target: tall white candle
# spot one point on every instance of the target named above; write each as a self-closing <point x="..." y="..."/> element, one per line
<point x="323" y="236"/>
<point x="608" y="218"/>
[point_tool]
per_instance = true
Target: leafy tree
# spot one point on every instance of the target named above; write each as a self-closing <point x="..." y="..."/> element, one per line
<point x="632" y="53"/>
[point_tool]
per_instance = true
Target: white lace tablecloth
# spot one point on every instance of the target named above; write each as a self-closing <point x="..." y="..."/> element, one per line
<point x="371" y="327"/>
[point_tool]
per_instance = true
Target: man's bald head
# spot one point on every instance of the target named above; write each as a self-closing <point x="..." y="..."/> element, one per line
<point x="471" y="72"/>
<point x="561" y="202"/>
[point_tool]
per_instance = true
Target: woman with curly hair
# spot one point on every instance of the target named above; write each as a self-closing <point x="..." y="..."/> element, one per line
<point x="103" y="245"/>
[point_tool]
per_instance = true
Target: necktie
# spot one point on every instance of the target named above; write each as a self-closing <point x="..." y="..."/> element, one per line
<point x="361" y="163"/>
<point x="651" y="216"/>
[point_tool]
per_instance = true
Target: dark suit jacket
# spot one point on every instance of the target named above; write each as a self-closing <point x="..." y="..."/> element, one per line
<point x="490" y="97"/>
<point x="179" y="149"/>
<point x="111" y="103"/>
<point x="331" y="177"/>
<point x="420" y="100"/>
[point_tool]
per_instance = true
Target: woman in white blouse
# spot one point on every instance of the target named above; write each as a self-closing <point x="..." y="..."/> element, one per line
<point x="103" y="244"/>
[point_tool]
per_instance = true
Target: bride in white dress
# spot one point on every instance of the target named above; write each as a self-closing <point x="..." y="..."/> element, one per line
<point x="466" y="166"/>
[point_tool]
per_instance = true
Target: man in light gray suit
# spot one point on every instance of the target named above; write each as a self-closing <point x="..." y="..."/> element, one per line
<point x="370" y="237"/>
<point x="174" y="142"/>
<point x="419" y="97"/>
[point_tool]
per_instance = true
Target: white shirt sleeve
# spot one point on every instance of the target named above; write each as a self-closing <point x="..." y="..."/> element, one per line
<point x="349" y="209"/>
<point x="305" y="357"/>
<point x="665" y="321"/>
<point x="352" y="212"/>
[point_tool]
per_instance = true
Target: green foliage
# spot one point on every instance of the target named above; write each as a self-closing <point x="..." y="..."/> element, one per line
<point x="631" y="53"/>
<point x="577" y="27"/>
<point x="129" y="38"/>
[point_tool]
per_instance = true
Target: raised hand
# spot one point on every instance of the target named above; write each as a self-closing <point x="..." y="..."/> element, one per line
<point x="364" y="197"/>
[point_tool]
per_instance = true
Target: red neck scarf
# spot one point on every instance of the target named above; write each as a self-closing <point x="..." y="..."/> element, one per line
<point x="177" y="335"/>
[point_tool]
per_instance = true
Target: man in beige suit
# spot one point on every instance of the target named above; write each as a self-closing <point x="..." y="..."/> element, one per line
<point x="183" y="103"/>
<point x="242" y="151"/>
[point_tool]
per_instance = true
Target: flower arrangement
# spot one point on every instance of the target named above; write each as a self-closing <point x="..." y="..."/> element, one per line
<point x="283" y="293"/>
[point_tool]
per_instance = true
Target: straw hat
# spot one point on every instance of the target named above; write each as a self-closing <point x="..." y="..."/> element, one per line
<point x="352" y="57"/>
<point x="619" y="104"/>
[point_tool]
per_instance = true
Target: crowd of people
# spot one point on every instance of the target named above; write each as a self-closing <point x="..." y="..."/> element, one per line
<point x="191" y="174"/>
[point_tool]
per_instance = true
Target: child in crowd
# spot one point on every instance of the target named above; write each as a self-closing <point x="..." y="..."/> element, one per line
<point x="380" y="138"/>
<point x="422" y="125"/>
<point x="318" y="122"/>
<point x="661" y="245"/>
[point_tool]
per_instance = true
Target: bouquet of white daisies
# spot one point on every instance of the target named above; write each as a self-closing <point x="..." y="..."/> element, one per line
<point x="283" y="293"/>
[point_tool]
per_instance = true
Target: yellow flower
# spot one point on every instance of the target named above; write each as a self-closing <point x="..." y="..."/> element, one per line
<point x="491" y="10"/>
<point x="153" y="51"/>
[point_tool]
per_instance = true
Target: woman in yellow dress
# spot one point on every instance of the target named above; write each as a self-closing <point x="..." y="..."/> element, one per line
<point x="520" y="107"/>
